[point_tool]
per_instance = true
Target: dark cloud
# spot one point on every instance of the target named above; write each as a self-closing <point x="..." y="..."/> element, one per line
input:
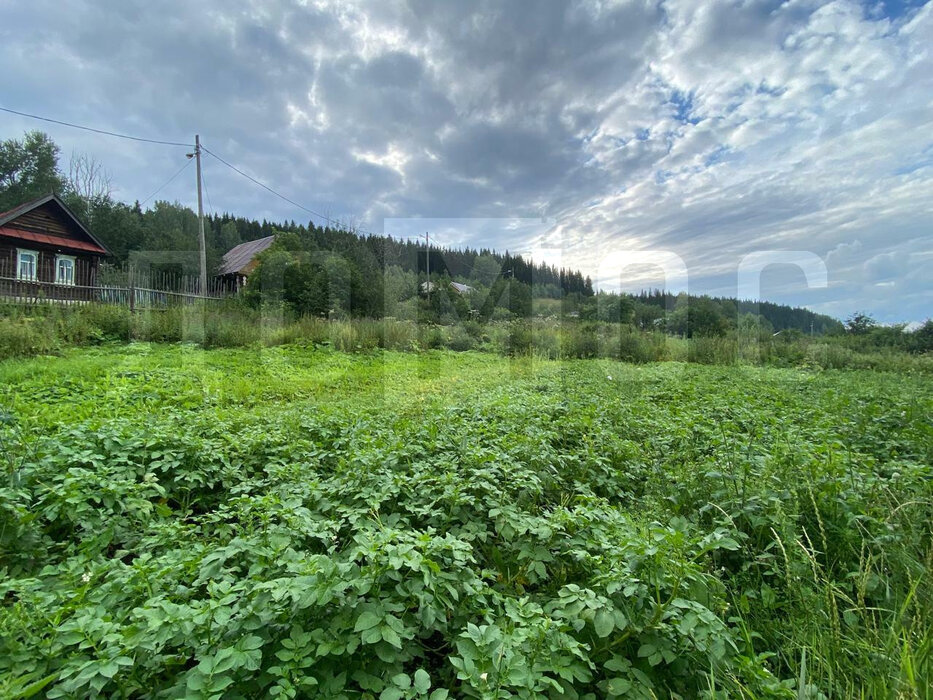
<point x="707" y="128"/>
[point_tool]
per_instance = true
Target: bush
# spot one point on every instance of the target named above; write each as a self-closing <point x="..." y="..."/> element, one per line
<point x="370" y="334"/>
<point x="112" y="322"/>
<point x="432" y="337"/>
<point x="21" y="337"/>
<point x="639" y="347"/>
<point x="546" y="338"/>
<point x="786" y="353"/>
<point x="461" y="340"/>
<point x="580" y="340"/>
<point x="517" y="340"/>
<point x="73" y="328"/>
<point x="160" y="326"/>
<point x="711" y="350"/>
<point x="832" y="357"/>
<point x="474" y="328"/>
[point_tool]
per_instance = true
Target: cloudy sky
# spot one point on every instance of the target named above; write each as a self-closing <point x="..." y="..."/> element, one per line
<point x="699" y="131"/>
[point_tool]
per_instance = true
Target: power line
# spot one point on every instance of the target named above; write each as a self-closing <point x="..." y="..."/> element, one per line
<point x="165" y="184"/>
<point x="185" y="145"/>
<point x="206" y="150"/>
<point x="179" y="171"/>
<point x="97" y="131"/>
<point x="296" y="204"/>
<point x="269" y="189"/>
<point x="207" y="193"/>
<point x="292" y="201"/>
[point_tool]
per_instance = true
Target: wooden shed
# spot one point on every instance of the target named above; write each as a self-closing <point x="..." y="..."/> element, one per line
<point x="239" y="261"/>
<point x="46" y="251"/>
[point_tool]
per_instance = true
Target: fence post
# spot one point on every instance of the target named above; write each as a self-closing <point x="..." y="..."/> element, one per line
<point x="132" y="290"/>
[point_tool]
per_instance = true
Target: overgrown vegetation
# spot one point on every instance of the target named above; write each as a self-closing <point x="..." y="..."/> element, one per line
<point x="280" y="517"/>
<point x="51" y="329"/>
<point x="307" y="523"/>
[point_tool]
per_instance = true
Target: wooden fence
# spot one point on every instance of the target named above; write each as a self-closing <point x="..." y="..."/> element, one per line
<point x="137" y="289"/>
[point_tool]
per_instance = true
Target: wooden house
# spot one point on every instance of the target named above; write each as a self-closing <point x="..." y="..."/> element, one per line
<point x="240" y="260"/>
<point x="45" y="251"/>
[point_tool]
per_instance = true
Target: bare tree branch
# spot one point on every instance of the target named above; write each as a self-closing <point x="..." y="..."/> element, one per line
<point x="88" y="179"/>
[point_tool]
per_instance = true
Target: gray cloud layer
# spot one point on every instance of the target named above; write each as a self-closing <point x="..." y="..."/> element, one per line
<point x="711" y="129"/>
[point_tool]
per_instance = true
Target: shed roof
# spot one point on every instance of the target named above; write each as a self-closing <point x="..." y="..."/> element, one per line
<point x="240" y="256"/>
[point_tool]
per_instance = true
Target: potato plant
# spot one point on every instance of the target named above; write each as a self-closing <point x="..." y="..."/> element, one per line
<point x="301" y="523"/>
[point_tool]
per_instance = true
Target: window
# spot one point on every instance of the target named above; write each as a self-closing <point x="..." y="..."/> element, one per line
<point x="28" y="262"/>
<point x="64" y="269"/>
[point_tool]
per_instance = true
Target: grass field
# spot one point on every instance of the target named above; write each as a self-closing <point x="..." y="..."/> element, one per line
<point x="293" y="522"/>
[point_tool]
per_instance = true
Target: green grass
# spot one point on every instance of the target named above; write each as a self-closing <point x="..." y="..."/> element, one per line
<point x="180" y="522"/>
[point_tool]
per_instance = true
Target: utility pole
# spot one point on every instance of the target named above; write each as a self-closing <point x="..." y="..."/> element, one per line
<point x="427" y="259"/>
<point x="197" y="156"/>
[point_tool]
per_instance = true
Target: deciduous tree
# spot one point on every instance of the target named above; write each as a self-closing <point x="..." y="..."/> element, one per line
<point x="28" y="169"/>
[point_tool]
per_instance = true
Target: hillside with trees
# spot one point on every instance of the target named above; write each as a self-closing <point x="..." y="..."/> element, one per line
<point x="335" y="271"/>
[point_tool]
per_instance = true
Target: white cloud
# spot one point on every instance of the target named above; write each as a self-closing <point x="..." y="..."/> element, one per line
<point x="707" y="128"/>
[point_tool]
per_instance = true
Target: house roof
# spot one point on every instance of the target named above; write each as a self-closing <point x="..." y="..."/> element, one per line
<point x="49" y="239"/>
<point x="456" y="286"/>
<point x="7" y="217"/>
<point x="462" y="288"/>
<point x="240" y="256"/>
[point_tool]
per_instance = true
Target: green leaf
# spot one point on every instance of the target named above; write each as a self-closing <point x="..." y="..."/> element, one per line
<point x="422" y="681"/>
<point x="224" y="660"/>
<point x="108" y="669"/>
<point x="372" y="635"/>
<point x="646" y="650"/>
<point x="250" y="642"/>
<point x="603" y="622"/>
<point x="196" y="679"/>
<point x="390" y="635"/>
<point x="37" y="686"/>
<point x="618" y="686"/>
<point x="367" y="620"/>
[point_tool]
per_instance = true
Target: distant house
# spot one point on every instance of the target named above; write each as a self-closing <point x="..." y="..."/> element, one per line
<point x="46" y="251"/>
<point x="456" y="286"/>
<point x="240" y="261"/>
<point x="462" y="288"/>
